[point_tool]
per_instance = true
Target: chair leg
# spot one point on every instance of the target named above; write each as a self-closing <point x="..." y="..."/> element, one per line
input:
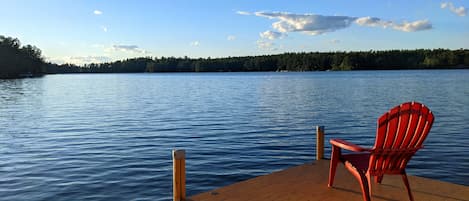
<point x="363" y="179"/>
<point x="369" y="179"/>
<point x="335" y="158"/>
<point x="379" y="179"/>
<point x="406" y="182"/>
<point x="363" y="185"/>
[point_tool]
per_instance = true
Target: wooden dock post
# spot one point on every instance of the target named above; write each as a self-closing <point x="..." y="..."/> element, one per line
<point x="179" y="175"/>
<point x="319" y="142"/>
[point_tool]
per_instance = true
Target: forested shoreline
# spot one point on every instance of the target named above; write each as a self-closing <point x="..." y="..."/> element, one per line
<point x="20" y="61"/>
<point x="312" y="61"/>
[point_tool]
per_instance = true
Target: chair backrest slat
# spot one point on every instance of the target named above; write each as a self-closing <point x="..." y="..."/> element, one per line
<point x="413" y="121"/>
<point x="426" y="130"/>
<point x="399" y="134"/>
<point x="425" y="126"/>
<point x="403" y="125"/>
<point x="381" y="129"/>
<point x="392" y="124"/>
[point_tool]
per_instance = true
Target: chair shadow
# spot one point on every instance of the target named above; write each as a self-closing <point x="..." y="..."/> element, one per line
<point x="443" y="197"/>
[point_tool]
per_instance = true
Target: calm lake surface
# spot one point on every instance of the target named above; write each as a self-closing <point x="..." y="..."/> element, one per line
<point x="110" y="136"/>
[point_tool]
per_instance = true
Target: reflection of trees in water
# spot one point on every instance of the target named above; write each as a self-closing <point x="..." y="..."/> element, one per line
<point x="23" y="92"/>
<point x="22" y="108"/>
<point x="10" y="91"/>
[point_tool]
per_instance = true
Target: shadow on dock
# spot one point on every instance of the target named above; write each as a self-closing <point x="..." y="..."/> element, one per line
<point x="308" y="182"/>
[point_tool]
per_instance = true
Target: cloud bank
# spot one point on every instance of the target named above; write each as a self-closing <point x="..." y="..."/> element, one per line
<point x="306" y="23"/>
<point x="414" y="26"/>
<point x="460" y="11"/>
<point x="319" y="24"/>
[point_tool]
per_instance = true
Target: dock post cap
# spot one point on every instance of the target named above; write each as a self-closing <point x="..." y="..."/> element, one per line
<point x="179" y="153"/>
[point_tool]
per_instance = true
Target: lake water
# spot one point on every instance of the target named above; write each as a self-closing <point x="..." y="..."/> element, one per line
<point x="110" y="136"/>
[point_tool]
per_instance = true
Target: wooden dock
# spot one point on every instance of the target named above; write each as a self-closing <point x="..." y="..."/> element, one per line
<point x="308" y="182"/>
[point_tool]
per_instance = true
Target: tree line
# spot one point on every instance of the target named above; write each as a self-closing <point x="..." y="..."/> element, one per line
<point x="19" y="61"/>
<point x="311" y="61"/>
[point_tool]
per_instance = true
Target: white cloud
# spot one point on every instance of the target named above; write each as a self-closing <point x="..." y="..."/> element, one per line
<point x="127" y="48"/>
<point x="373" y="22"/>
<point x="319" y="24"/>
<point x="195" y="43"/>
<point x="97" y="12"/>
<point x="231" y="38"/>
<point x="104" y="28"/>
<point x="271" y="35"/>
<point x="307" y="23"/>
<point x="266" y="45"/>
<point x="460" y="11"/>
<point x="418" y="25"/>
<point x="243" y="13"/>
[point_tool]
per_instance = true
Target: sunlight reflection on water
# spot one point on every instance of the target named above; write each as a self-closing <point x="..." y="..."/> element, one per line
<point x="109" y="136"/>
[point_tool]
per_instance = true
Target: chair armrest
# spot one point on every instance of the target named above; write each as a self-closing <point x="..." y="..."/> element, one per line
<point x="347" y="145"/>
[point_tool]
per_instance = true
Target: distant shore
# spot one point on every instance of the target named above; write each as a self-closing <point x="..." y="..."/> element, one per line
<point x="281" y="71"/>
<point x="291" y="62"/>
<point x="18" y="61"/>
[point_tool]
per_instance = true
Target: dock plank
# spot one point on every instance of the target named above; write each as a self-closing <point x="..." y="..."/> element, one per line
<point x="308" y="182"/>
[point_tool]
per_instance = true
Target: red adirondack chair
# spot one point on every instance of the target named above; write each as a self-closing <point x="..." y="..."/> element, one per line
<point x="400" y="133"/>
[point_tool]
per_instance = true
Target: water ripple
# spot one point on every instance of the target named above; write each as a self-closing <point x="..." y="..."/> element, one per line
<point x="109" y="137"/>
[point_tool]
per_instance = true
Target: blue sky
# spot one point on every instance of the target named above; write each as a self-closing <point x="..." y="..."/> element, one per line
<point x="83" y="31"/>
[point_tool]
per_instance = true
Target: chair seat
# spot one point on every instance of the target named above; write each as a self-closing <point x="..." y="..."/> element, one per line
<point x="359" y="161"/>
